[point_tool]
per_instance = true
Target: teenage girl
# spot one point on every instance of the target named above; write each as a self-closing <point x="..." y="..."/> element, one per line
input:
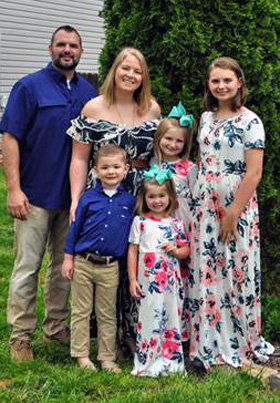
<point x="157" y="240"/>
<point x="225" y="275"/>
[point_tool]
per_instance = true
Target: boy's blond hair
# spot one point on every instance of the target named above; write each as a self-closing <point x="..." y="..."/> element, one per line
<point x="110" y="149"/>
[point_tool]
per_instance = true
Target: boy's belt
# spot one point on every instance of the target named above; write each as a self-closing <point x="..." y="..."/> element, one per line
<point x="95" y="259"/>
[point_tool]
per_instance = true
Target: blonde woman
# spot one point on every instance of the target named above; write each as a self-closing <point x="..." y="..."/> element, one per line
<point x="125" y="114"/>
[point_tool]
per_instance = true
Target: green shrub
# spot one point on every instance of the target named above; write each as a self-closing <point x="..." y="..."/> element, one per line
<point x="179" y="39"/>
<point x="271" y="317"/>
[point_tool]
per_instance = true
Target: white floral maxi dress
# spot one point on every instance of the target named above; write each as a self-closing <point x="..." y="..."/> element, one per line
<point x="224" y="279"/>
<point x="158" y="341"/>
<point x="184" y="174"/>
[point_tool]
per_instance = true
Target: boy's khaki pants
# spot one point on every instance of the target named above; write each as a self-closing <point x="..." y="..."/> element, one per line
<point x="42" y="229"/>
<point x="104" y="279"/>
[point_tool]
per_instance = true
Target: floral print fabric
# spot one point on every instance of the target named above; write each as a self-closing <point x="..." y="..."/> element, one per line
<point x="137" y="142"/>
<point x="184" y="174"/>
<point x="159" y="328"/>
<point x="224" y="281"/>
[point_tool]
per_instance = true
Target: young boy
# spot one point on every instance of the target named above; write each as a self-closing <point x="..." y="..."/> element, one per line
<point x="97" y="238"/>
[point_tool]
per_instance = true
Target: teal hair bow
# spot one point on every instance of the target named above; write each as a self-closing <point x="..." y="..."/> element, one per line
<point x="160" y="175"/>
<point x="179" y="112"/>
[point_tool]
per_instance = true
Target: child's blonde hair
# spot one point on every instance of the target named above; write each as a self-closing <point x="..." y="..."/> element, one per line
<point x="110" y="150"/>
<point x="141" y="207"/>
<point x="170" y="123"/>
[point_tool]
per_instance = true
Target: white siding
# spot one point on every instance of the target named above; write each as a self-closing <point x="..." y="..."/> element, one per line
<point x="26" y="27"/>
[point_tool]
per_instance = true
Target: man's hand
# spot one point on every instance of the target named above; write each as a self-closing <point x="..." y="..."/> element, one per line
<point x="18" y="204"/>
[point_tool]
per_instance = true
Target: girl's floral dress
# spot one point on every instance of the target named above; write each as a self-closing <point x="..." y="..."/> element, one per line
<point x="184" y="173"/>
<point x="225" y="279"/>
<point x="158" y="343"/>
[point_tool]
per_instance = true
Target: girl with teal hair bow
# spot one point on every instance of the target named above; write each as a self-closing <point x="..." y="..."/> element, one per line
<point x="157" y="242"/>
<point x="172" y="144"/>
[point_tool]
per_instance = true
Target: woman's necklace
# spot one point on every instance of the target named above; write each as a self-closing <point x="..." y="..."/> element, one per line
<point x="123" y="123"/>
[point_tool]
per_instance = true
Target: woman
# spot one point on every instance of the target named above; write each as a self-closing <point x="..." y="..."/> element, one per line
<point x="225" y="277"/>
<point x="125" y="114"/>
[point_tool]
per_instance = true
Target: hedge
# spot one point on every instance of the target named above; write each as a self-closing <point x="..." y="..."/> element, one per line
<point x="180" y="38"/>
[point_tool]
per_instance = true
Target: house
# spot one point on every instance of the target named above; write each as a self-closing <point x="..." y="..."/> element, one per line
<point x="26" y="27"/>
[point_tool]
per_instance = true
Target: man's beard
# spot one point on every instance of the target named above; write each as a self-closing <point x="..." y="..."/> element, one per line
<point x="65" y="67"/>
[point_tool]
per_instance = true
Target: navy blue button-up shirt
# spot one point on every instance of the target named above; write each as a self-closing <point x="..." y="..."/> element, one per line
<point x="102" y="223"/>
<point x="38" y="113"/>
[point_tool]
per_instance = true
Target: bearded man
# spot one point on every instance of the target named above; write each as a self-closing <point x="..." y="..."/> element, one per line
<point x="36" y="158"/>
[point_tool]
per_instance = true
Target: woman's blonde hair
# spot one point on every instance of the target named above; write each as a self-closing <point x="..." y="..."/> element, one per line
<point x="142" y="95"/>
<point x="141" y="207"/>
<point x="210" y="103"/>
<point x="171" y="123"/>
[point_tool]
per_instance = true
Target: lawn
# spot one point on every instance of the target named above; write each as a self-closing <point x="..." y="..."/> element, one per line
<point x="54" y="377"/>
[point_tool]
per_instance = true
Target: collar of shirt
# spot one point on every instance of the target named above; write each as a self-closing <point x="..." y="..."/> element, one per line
<point x="58" y="76"/>
<point x="99" y="188"/>
<point x="110" y="192"/>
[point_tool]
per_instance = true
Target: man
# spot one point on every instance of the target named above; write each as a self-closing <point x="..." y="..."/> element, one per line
<point x="36" y="158"/>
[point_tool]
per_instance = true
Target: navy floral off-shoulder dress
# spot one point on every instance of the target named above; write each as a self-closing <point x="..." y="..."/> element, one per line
<point x="138" y="143"/>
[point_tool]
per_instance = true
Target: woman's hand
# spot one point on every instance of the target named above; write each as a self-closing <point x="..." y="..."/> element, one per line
<point x="135" y="289"/>
<point x="246" y="188"/>
<point x="229" y="226"/>
<point x="73" y="208"/>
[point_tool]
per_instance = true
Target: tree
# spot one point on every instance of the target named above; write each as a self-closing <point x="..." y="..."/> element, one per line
<point x="179" y="39"/>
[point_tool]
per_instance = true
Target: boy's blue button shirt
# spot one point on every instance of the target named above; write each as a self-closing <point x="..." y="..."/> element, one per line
<point x="38" y="113"/>
<point x="102" y="223"/>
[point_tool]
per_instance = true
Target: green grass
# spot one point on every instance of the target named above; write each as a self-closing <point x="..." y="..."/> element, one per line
<point x="54" y="377"/>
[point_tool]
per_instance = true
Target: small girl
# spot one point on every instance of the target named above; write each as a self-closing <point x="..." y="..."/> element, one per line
<point x="225" y="272"/>
<point x="157" y="240"/>
<point x="172" y="144"/>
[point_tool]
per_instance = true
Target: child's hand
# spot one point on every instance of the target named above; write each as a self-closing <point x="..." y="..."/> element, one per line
<point x="67" y="269"/>
<point x="135" y="289"/>
<point x="169" y="247"/>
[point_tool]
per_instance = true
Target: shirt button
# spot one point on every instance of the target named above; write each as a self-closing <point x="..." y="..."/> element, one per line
<point x="109" y="212"/>
<point x="111" y="200"/>
<point x="97" y="252"/>
<point x="106" y="225"/>
<point x="101" y="239"/>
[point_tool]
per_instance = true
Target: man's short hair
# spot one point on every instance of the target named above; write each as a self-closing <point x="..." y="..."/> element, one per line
<point x="68" y="29"/>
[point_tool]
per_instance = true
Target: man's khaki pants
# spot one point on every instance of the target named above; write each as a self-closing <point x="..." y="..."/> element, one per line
<point x="104" y="280"/>
<point x="42" y="229"/>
